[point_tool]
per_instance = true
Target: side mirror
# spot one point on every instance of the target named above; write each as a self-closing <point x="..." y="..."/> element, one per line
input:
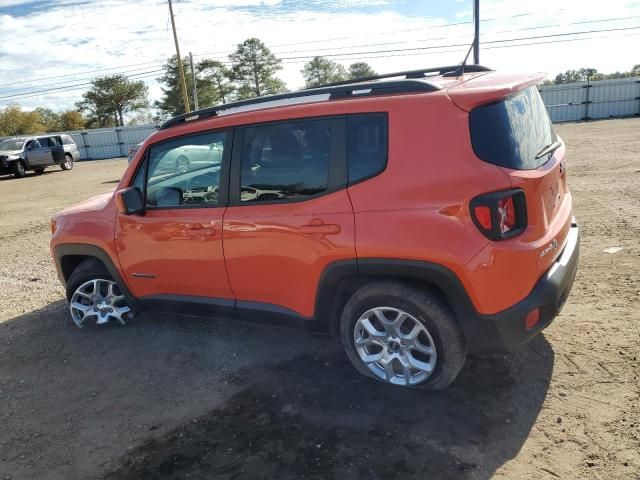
<point x="129" y="201"/>
<point x="30" y="147"/>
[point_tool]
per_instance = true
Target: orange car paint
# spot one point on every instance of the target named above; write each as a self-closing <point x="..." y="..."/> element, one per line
<point x="418" y="209"/>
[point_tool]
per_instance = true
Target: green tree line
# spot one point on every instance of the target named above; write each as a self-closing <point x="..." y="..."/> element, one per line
<point x="584" y="74"/>
<point x="250" y="71"/>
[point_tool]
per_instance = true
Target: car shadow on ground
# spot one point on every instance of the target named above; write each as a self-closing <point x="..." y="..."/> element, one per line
<point x="29" y="174"/>
<point x="294" y="408"/>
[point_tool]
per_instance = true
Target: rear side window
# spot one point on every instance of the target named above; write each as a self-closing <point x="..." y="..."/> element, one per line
<point x="512" y="132"/>
<point x="285" y="161"/>
<point x="366" y="146"/>
<point x="67" y="140"/>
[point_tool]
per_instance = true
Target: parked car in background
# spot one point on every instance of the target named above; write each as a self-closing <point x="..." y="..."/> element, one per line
<point x="21" y="154"/>
<point x="417" y="218"/>
<point x="133" y="149"/>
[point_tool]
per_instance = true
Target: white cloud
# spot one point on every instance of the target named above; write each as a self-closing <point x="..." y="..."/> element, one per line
<point x="71" y="38"/>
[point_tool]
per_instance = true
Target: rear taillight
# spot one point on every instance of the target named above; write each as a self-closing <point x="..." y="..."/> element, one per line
<point x="500" y="215"/>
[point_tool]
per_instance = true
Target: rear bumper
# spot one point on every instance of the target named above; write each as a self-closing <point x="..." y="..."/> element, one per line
<point x="507" y="330"/>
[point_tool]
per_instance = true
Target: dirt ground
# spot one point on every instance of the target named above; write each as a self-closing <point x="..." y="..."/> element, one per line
<point x="168" y="397"/>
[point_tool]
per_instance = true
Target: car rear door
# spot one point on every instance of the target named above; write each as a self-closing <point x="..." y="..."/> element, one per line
<point x="172" y="255"/>
<point x="293" y="218"/>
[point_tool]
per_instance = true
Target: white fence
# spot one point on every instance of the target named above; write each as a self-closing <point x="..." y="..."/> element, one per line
<point x="591" y="100"/>
<point x="567" y="102"/>
<point x="99" y="143"/>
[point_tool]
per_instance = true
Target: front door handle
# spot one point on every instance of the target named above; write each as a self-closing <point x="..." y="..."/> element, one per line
<point x="197" y="230"/>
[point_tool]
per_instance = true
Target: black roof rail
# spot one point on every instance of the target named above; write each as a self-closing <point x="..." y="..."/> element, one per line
<point x="411" y="74"/>
<point x="351" y="89"/>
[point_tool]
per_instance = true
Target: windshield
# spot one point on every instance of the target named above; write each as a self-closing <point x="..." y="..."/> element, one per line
<point x="512" y="132"/>
<point x="11" y="144"/>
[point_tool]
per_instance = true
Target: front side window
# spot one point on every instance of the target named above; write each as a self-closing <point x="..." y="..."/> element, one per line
<point x="285" y="161"/>
<point x="185" y="171"/>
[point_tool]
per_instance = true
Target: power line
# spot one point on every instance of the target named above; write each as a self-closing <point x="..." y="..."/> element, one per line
<point x="378" y="54"/>
<point x="77" y="86"/>
<point x="431" y="47"/>
<point x="326" y="40"/>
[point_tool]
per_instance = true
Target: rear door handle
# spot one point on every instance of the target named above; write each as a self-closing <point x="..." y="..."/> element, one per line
<point x="323" y="229"/>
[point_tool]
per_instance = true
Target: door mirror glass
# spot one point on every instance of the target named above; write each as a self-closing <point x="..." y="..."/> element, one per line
<point x="129" y="201"/>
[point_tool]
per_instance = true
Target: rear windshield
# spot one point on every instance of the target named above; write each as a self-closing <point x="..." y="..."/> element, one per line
<point x="512" y="132"/>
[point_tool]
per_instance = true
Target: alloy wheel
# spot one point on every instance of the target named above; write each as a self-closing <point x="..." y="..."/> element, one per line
<point x="98" y="300"/>
<point x="395" y="346"/>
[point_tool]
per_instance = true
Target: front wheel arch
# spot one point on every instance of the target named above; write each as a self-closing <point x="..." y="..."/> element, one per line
<point x="68" y="256"/>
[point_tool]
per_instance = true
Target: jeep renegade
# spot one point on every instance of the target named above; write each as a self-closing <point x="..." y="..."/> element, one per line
<point x="417" y="215"/>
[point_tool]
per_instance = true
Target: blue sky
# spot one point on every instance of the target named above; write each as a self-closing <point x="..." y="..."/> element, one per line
<point x="62" y="44"/>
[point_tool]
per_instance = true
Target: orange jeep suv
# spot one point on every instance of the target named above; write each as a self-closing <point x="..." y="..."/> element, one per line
<point x="416" y="215"/>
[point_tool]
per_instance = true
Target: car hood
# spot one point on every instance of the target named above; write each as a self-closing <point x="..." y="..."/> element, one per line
<point x="97" y="202"/>
<point x="10" y="152"/>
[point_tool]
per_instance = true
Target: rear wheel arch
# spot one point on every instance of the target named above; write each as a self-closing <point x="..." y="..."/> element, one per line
<point x="343" y="278"/>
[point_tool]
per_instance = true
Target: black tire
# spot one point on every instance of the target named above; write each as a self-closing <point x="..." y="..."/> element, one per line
<point x="425" y="307"/>
<point x="39" y="171"/>
<point x="68" y="163"/>
<point x="19" y="169"/>
<point x="90" y="269"/>
<point x="182" y="164"/>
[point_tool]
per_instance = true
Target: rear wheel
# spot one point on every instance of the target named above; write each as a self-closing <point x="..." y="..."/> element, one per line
<point x="19" y="169"/>
<point x="94" y="297"/>
<point x="68" y="163"/>
<point x="402" y="335"/>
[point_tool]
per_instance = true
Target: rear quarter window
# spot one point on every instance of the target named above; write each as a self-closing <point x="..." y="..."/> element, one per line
<point x="511" y="132"/>
<point x="366" y="146"/>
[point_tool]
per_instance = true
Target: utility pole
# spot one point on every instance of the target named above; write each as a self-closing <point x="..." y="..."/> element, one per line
<point x="195" y="87"/>
<point x="185" y="97"/>
<point x="476" y="37"/>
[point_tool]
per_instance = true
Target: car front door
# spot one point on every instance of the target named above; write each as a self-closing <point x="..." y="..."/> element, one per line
<point x="172" y="255"/>
<point x="39" y="153"/>
<point x="289" y="215"/>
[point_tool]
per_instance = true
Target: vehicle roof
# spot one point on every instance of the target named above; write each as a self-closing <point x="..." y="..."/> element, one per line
<point x="465" y="89"/>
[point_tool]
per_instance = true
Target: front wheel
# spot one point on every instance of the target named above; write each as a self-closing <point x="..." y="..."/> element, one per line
<point x="19" y="169"/>
<point x="94" y="297"/>
<point x="402" y="335"/>
<point x="68" y="163"/>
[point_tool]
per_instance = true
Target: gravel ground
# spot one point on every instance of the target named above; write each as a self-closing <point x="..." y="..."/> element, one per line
<point x="168" y="397"/>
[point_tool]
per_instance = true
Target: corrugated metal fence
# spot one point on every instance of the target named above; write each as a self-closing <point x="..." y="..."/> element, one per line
<point x="99" y="143"/>
<point x="567" y="102"/>
<point x="591" y="100"/>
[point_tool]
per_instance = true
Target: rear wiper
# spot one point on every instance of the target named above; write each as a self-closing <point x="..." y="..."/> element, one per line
<point x="546" y="150"/>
